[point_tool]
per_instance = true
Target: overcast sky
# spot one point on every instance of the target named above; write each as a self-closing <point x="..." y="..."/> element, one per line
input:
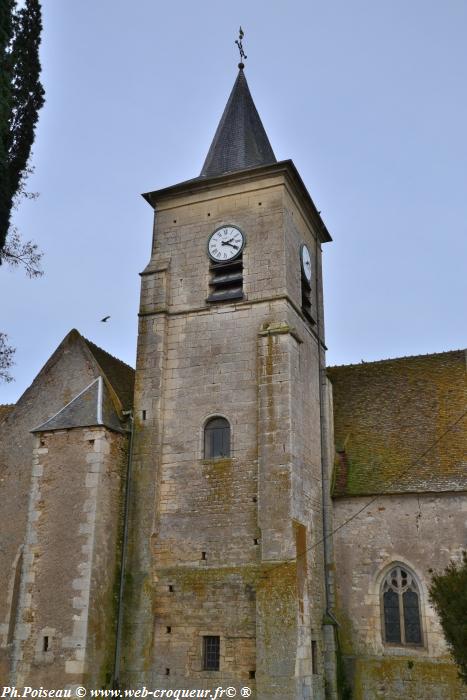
<point x="367" y="98"/>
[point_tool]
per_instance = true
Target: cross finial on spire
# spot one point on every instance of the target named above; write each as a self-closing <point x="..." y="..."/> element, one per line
<point x="243" y="55"/>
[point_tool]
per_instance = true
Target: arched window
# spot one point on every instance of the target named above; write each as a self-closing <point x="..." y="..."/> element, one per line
<point x="401" y="608"/>
<point x="217" y="438"/>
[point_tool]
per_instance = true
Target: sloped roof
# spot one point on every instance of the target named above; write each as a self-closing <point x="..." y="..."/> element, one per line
<point x="92" y="406"/>
<point x="106" y="389"/>
<point x="240" y="140"/>
<point x="388" y="417"/>
<point x="5" y="409"/>
<point x="120" y="375"/>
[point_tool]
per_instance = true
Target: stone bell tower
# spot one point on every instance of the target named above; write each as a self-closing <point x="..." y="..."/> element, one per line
<point x="225" y="566"/>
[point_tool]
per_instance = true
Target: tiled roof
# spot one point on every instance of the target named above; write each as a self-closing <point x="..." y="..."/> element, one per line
<point x="240" y="140"/>
<point x="92" y="406"/>
<point x="388" y="414"/>
<point x="120" y="375"/>
<point x="5" y="409"/>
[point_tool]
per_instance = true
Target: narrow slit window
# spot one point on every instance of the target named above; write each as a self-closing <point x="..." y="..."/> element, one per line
<point x="314" y="657"/>
<point x="217" y="438"/>
<point x="211" y="653"/>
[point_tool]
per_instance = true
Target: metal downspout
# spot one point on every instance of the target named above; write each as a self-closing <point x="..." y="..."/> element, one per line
<point x="118" y="641"/>
<point x="324" y="471"/>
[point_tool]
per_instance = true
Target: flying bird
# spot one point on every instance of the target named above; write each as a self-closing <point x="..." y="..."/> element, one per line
<point x="106" y="318"/>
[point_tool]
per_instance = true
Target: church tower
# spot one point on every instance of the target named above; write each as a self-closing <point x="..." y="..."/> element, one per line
<point x="225" y="565"/>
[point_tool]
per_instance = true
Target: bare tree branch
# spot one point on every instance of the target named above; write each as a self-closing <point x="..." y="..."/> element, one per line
<point x="16" y="253"/>
<point x="6" y="358"/>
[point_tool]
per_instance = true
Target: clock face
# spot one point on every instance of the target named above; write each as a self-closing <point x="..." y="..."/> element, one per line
<point x="225" y="243"/>
<point x="306" y="262"/>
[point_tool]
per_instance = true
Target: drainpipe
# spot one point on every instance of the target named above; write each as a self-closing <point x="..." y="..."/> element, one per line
<point x="330" y="668"/>
<point x="118" y="641"/>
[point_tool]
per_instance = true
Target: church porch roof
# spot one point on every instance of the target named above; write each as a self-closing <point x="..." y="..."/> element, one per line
<point x="93" y="406"/>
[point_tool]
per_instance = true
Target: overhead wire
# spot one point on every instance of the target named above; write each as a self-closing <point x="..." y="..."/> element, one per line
<point x="397" y="478"/>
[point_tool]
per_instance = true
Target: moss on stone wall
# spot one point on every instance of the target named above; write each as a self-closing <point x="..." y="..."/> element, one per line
<point x="406" y="677"/>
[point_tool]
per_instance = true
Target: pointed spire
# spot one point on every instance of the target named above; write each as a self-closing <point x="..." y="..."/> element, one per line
<point x="240" y="140"/>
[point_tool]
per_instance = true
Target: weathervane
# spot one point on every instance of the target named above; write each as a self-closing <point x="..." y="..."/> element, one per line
<point x="240" y="48"/>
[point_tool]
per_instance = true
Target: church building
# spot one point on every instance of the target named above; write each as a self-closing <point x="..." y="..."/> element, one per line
<point x="232" y="513"/>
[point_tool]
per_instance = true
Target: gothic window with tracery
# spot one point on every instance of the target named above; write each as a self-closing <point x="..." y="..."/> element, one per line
<point x="401" y="608"/>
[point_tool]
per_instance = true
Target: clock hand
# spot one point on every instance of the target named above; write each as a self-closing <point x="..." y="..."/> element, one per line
<point x="235" y="247"/>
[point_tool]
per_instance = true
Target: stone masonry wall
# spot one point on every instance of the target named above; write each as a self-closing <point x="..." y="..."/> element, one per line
<point x="422" y="532"/>
<point x="67" y="607"/>
<point x="65" y="374"/>
<point x="213" y="543"/>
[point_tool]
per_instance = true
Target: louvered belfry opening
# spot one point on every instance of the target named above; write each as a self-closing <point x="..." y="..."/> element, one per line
<point x="306" y="299"/>
<point x="226" y="280"/>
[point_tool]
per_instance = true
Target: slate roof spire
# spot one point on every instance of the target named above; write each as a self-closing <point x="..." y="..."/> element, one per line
<point x="240" y="140"/>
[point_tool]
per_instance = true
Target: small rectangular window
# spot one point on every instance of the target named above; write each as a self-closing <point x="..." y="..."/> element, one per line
<point x="45" y="643"/>
<point x="211" y="653"/>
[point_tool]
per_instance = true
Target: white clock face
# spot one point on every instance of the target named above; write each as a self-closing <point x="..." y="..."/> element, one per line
<point x="225" y="244"/>
<point x="306" y="262"/>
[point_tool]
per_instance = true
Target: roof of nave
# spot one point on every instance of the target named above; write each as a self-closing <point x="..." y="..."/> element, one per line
<point x="5" y="409"/>
<point x="400" y="425"/>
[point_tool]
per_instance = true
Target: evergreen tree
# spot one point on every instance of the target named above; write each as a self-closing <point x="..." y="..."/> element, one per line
<point x="448" y="595"/>
<point x="21" y="97"/>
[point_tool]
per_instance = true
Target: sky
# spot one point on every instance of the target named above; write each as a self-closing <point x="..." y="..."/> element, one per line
<point x="367" y="98"/>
